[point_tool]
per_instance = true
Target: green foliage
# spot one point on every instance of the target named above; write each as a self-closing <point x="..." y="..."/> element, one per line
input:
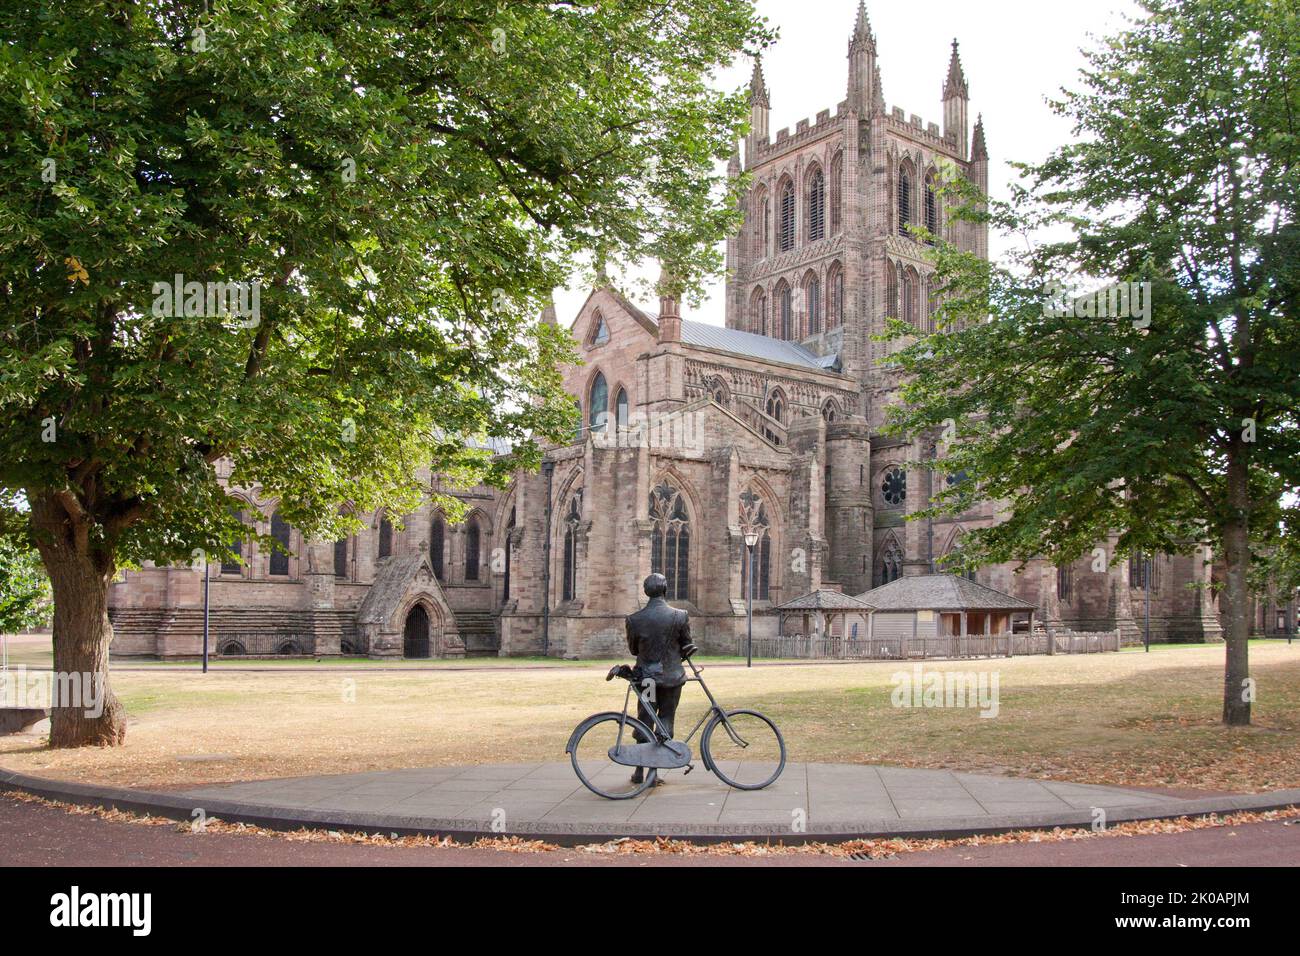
<point x="406" y="181"/>
<point x="25" y="599"/>
<point x="1184" y="174"/>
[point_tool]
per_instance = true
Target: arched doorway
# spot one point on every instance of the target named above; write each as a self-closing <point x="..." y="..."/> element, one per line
<point x="415" y="641"/>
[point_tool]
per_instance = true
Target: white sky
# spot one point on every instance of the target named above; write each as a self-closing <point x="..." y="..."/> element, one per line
<point x="1015" y="54"/>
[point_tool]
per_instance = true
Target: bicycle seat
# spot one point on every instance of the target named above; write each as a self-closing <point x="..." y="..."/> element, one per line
<point x="621" y="670"/>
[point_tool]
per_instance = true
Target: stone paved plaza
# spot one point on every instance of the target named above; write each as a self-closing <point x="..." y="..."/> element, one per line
<point x="540" y="798"/>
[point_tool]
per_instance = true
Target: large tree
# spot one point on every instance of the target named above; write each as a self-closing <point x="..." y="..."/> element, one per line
<point x="399" y="182"/>
<point x="1171" y="429"/>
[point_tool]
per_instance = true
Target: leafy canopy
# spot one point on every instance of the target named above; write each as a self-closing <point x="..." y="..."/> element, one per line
<point x="1183" y="174"/>
<point x="403" y="181"/>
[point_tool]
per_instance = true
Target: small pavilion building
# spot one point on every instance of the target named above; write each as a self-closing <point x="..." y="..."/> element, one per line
<point x="944" y="605"/>
<point x="820" y="612"/>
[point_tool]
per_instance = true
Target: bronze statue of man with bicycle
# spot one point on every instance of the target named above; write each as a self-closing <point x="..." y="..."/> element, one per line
<point x="749" y="754"/>
<point x="659" y="637"/>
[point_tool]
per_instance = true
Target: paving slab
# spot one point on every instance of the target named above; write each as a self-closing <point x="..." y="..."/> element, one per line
<point x="808" y="801"/>
<point x="865" y="798"/>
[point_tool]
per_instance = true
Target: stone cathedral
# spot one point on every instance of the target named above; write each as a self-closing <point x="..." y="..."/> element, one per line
<point x="693" y="436"/>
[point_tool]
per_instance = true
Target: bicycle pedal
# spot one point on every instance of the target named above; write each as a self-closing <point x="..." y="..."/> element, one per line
<point x="689" y="768"/>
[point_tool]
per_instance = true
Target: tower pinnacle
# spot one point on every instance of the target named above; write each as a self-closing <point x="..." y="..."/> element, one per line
<point x="955" y="85"/>
<point x="758" y="95"/>
<point x="862" y="29"/>
<point x="979" y="150"/>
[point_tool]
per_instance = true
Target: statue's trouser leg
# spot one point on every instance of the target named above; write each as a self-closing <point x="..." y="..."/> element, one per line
<point x="666" y="701"/>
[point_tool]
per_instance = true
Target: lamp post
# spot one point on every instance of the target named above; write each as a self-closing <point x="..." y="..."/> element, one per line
<point x="207" y="580"/>
<point x="751" y="539"/>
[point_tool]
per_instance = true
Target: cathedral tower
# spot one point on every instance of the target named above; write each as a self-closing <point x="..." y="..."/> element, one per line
<point x="829" y="252"/>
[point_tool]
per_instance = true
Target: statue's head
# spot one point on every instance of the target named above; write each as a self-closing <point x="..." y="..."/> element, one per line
<point x="656" y="585"/>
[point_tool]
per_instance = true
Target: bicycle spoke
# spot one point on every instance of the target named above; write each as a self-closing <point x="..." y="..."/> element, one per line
<point x="592" y="761"/>
<point x="746" y="750"/>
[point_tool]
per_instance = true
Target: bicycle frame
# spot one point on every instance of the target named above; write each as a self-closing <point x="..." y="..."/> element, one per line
<point x="660" y="731"/>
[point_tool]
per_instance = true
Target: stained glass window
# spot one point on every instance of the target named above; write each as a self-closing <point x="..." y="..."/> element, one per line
<point x="472" y="536"/>
<point x="572" y="520"/>
<point x="437" y="541"/>
<point x="894" y="487"/>
<point x="233" y="565"/>
<point x="280" y="558"/>
<point x="670" y="545"/>
<point x="890" y="565"/>
<point x="598" y="406"/>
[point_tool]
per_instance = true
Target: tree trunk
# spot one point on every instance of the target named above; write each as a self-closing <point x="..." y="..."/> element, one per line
<point x="84" y="710"/>
<point x="1237" y="692"/>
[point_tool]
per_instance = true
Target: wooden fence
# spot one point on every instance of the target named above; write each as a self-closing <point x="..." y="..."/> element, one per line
<point x="795" y="646"/>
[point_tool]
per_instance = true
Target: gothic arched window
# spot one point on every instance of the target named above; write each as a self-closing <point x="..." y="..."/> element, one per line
<point x="280" y="556"/>
<point x="598" y="403"/>
<point x="622" y="409"/>
<point x="931" y="303"/>
<point x="341" y="558"/>
<point x="754" y="520"/>
<point x="931" y="209"/>
<point x="718" y="391"/>
<point x="812" y="290"/>
<point x="758" y="312"/>
<point x="904" y="201"/>
<point x="505" y="584"/>
<point x="816" y="206"/>
<point x="670" y="542"/>
<point x="572" y="519"/>
<point x="233" y="565"/>
<point x="835" y="296"/>
<point x="889" y="566"/>
<point x="909" y="298"/>
<point x="760" y="223"/>
<point x="766" y="243"/>
<point x="1065" y="583"/>
<point x="600" y="335"/>
<point x="837" y="191"/>
<point x="891" y="290"/>
<point x="893" y="487"/>
<point x="776" y="406"/>
<point x="787" y="314"/>
<point x="385" y="538"/>
<point x="787" y="217"/>
<point x="1144" y="571"/>
<point x="437" y="542"/>
<point x="472" y="543"/>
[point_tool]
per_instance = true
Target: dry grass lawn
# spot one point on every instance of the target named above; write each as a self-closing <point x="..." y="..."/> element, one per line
<point x="1127" y="719"/>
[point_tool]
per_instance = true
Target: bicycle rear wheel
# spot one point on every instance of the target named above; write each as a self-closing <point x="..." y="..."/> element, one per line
<point x="589" y="750"/>
<point x="746" y="750"/>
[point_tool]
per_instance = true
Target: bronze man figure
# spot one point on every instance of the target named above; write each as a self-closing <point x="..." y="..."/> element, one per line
<point x="660" y="637"/>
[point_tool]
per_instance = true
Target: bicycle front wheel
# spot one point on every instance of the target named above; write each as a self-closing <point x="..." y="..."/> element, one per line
<point x="589" y="749"/>
<point x="744" y="749"/>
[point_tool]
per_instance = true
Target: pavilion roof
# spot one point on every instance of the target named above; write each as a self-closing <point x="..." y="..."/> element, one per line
<point x="941" y="592"/>
<point x="824" y="599"/>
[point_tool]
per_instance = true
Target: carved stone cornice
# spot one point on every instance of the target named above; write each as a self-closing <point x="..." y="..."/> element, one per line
<point x="785" y="261"/>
